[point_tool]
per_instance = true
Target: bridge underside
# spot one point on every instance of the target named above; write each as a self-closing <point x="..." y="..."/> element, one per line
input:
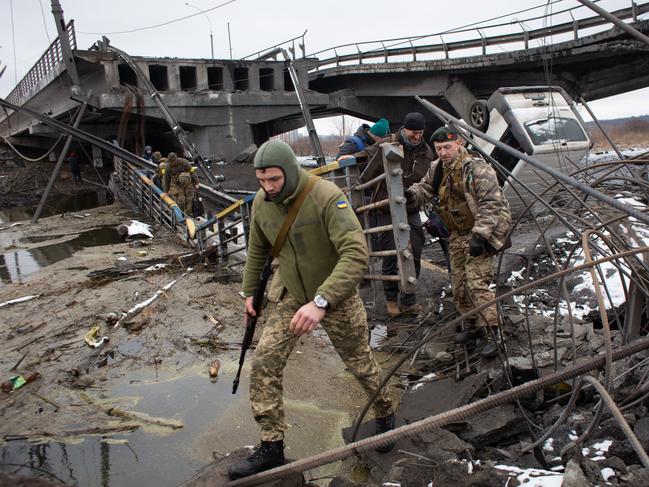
<point x="222" y="123"/>
<point x="593" y="67"/>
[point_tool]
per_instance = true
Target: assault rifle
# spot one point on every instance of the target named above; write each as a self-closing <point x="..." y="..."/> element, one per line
<point x="251" y="321"/>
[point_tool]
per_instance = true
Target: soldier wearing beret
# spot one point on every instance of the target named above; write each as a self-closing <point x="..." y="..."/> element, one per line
<point x="471" y="204"/>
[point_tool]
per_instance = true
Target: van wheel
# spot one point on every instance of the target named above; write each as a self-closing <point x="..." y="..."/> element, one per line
<point x="479" y="115"/>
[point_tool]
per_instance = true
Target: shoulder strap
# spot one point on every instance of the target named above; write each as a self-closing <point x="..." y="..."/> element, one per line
<point x="292" y="214"/>
<point x="437" y="177"/>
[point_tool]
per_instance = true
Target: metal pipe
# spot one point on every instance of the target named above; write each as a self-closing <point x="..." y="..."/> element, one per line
<point x="306" y="111"/>
<point x="622" y="25"/>
<point x="57" y="167"/>
<point x="229" y="40"/>
<point x="438" y="420"/>
<point x="381" y="277"/>
<point x="619" y="417"/>
<point x="371" y="182"/>
<point x="373" y="206"/>
<point x="209" y="22"/>
<point x="64" y="40"/>
<point x="383" y="253"/>
<point x="384" y="228"/>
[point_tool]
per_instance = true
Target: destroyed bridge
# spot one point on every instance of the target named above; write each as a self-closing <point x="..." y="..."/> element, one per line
<point x="227" y="105"/>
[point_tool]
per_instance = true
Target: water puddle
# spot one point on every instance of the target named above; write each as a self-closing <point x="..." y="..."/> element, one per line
<point x="57" y="205"/>
<point x="151" y="455"/>
<point x="14" y="266"/>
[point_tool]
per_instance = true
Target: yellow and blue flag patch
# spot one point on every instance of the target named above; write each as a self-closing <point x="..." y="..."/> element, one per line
<point x="341" y="204"/>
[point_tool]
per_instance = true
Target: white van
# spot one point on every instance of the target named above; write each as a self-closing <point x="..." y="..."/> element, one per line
<point x="541" y="121"/>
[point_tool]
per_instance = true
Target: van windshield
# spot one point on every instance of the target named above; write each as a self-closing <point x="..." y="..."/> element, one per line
<point x="555" y="130"/>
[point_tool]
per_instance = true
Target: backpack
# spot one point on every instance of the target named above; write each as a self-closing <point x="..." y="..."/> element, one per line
<point x="358" y="142"/>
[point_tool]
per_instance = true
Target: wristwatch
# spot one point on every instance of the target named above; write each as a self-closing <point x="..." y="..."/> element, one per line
<point x="320" y="302"/>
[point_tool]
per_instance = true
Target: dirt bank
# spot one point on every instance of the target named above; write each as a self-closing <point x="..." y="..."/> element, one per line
<point x="132" y="394"/>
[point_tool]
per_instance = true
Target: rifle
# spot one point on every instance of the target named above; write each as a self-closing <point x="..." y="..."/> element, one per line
<point x="251" y="321"/>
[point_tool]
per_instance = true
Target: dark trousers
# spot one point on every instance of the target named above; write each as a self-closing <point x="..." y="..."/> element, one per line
<point x="385" y="241"/>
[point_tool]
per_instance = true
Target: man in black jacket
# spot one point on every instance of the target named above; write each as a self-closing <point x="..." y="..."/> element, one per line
<point x="417" y="158"/>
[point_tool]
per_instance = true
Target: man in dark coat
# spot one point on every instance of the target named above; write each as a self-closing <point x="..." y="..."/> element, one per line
<point x="417" y="158"/>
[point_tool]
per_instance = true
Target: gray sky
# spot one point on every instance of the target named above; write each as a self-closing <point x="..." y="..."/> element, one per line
<point x="257" y="24"/>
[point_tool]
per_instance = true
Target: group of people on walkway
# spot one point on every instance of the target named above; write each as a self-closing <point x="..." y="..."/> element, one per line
<point x="324" y="255"/>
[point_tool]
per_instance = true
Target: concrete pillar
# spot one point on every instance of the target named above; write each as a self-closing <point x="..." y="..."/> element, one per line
<point x="228" y="81"/>
<point x="278" y="78"/>
<point x="253" y="77"/>
<point x="144" y="67"/>
<point x="201" y="77"/>
<point x="460" y="97"/>
<point x="222" y="143"/>
<point x="174" y="77"/>
<point x="112" y="74"/>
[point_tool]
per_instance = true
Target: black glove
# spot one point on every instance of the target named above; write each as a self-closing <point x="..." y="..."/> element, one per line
<point x="410" y="197"/>
<point x="477" y="246"/>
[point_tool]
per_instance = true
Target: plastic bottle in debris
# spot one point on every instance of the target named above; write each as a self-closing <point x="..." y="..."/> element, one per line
<point x="18" y="381"/>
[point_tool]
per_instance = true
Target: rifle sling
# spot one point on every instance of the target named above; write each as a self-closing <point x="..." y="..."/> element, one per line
<point x="292" y="214"/>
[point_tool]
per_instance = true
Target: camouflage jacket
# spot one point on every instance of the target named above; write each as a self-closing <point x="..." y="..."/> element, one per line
<point x="176" y="167"/>
<point x="325" y="251"/>
<point x="488" y="205"/>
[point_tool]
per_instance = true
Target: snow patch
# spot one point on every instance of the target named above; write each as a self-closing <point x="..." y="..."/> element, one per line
<point x="534" y="477"/>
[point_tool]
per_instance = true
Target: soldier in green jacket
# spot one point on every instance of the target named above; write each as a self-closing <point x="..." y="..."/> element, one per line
<point x="465" y="189"/>
<point x="321" y="263"/>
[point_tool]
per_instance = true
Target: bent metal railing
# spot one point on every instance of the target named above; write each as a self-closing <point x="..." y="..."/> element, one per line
<point x="387" y="49"/>
<point x="48" y="62"/>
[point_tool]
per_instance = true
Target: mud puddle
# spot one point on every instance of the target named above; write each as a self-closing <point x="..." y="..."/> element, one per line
<point x="16" y="265"/>
<point x="57" y="205"/>
<point x="151" y="455"/>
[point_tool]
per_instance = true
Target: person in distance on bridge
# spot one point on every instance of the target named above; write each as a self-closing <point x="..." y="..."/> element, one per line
<point x="180" y="181"/>
<point x="148" y="153"/>
<point x="417" y="158"/>
<point x="465" y="189"/>
<point x="364" y="136"/>
<point x="321" y="263"/>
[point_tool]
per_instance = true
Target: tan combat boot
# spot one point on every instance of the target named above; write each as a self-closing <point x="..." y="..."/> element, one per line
<point x="392" y="307"/>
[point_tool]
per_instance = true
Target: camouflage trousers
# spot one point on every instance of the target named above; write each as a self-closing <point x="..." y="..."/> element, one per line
<point x="347" y="328"/>
<point x="470" y="279"/>
<point x="183" y="196"/>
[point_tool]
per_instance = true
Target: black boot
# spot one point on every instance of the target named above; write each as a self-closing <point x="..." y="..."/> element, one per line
<point x="470" y="332"/>
<point x="384" y="425"/>
<point x="489" y="347"/>
<point x="267" y="455"/>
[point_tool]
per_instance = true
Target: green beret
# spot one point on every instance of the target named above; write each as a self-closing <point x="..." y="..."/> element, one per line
<point x="443" y="134"/>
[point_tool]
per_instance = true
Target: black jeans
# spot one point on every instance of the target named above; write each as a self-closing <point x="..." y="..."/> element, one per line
<point x="385" y="241"/>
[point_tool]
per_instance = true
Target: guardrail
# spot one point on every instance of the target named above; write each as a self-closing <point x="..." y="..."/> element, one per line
<point x="387" y="49"/>
<point x="47" y="63"/>
<point x="226" y="233"/>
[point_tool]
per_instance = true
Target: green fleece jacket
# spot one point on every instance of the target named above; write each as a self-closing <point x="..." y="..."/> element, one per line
<point x="325" y="251"/>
